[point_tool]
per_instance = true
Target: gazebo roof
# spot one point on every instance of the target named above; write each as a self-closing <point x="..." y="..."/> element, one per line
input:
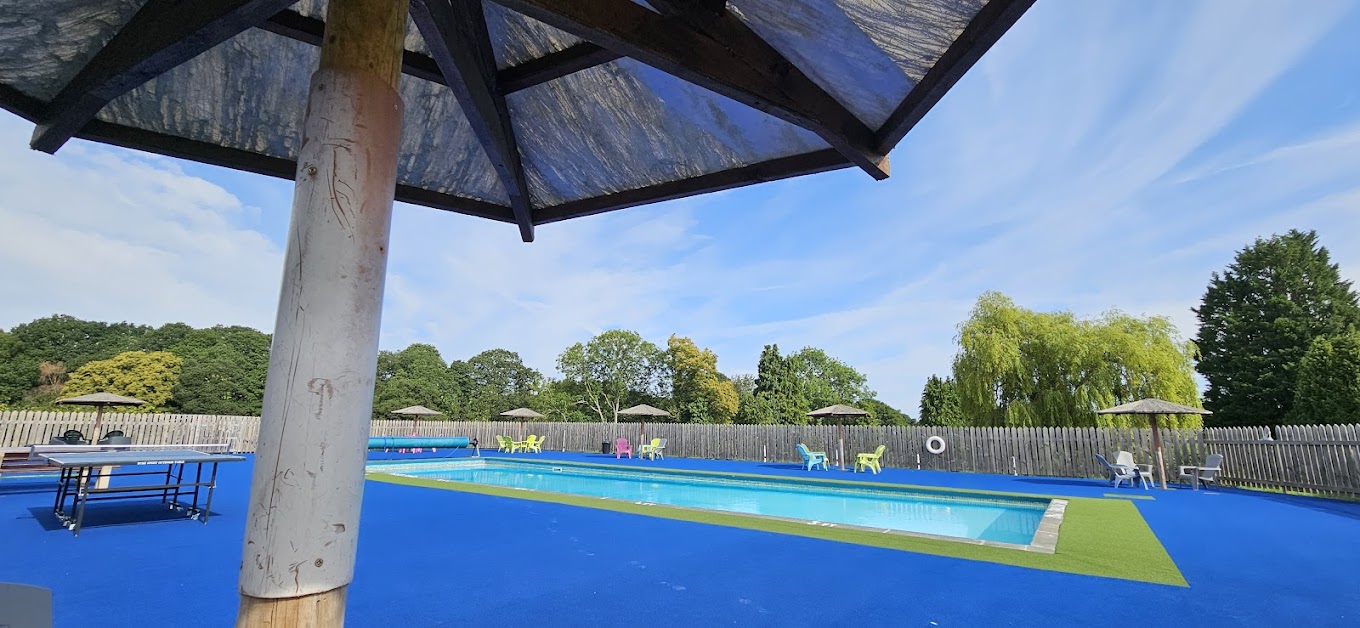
<point x="522" y="111"/>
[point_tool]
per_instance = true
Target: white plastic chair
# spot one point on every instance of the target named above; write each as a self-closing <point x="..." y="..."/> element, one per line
<point x="1118" y="474"/>
<point x="1203" y="474"/>
<point x="660" y="450"/>
<point x="1125" y="459"/>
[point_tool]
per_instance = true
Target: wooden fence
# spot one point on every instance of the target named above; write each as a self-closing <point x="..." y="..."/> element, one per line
<point x="1320" y="459"/>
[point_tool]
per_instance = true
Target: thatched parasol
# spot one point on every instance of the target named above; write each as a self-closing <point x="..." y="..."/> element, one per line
<point x="415" y="412"/>
<point x="1151" y="408"/>
<point x="643" y="410"/>
<point x="522" y="414"/>
<point x="840" y="413"/>
<point x="101" y="400"/>
<point x="646" y="103"/>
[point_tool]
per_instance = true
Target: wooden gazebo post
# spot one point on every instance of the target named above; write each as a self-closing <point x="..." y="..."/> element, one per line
<point x="303" y="520"/>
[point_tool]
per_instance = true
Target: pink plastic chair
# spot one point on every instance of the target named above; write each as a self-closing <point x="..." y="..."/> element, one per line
<point x="621" y="447"/>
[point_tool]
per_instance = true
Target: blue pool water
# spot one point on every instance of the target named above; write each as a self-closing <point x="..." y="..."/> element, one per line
<point x="998" y="520"/>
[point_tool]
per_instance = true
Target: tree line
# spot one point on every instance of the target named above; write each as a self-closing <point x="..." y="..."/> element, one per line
<point x="1277" y="343"/>
<point x="221" y="370"/>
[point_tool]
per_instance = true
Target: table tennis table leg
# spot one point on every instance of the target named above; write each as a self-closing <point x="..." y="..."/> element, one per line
<point x="198" y="479"/>
<point x="82" y="496"/>
<point x="212" y="484"/>
<point x="63" y="484"/>
<point x="165" y="494"/>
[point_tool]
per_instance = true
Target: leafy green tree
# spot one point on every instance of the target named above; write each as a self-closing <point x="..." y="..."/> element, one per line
<point x="826" y="381"/>
<point x="1017" y="367"/>
<point x="416" y="375"/>
<point x="150" y="377"/>
<point x="165" y="337"/>
<point x="614" y="370"/>
<point x="224" y="369"/>
<point x="778" y="385"/>
<point x="1259" y="318"/>
<point x="15" y="377"/>
<point x="63" y="339"/>
<point x="1328" y="389"/>
<point x="940" y="403"/>
<point x="558" y="400"/>
<point x="497" y="380"/>
<point x="885" y="414"/>
<point x="698" y="390"/>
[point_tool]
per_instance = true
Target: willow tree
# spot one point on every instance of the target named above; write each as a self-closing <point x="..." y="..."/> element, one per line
<point x="1017" y="367"/>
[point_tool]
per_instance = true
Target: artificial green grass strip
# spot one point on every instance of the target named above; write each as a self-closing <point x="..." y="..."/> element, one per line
<point x="1128" y="496"/>
<point x="1099" y="537"/>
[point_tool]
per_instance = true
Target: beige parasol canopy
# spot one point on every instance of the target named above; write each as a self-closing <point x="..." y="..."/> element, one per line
<point x="643" y="410"/>
<point x="1151" y="408"/>
<point x="521" y="414"/>
<point x="415" y="412"/>
<point x="101" y="400"/>
<point x="840" y="413"/>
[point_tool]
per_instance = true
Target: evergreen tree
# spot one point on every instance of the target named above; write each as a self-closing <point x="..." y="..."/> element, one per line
<point x="940" y="403"/>
<point x="1259" y="318"/>
<point x="1328" y="390"/>
<point x="777" y="383"/>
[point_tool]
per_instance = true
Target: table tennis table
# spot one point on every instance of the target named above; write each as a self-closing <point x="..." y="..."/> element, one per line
<point x="81" y="472"/>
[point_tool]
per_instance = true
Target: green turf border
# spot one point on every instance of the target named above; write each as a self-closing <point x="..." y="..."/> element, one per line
<point x="1130" y="496"/>
<point x="1099" y="537"/>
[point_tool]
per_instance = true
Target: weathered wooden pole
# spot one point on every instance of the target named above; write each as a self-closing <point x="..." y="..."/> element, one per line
<point x="303" y="520"/>
<point x="1157" y="446"/>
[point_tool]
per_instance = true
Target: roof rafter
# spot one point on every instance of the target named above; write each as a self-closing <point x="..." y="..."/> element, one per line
<point x="717" y="52"/>
<point x="977" y="38"/>
<point x="160" y="36"/>
<point x="772" y="170"/>
<point x="554" y="65"/>
<point x="455" y="32"/>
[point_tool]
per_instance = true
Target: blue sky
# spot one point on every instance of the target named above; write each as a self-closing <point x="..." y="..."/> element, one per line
<point x="1102" y="155"/>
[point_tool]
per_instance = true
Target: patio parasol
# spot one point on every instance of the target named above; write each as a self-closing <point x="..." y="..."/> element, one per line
<point x="527" y="112"/>
<point x="643" y="410"/>
<point x="101" y="400"/>
<point x="840" y="412"/>
<point x="522" y="414"/>
<point x="1151" y="408"/>
<point x="415" y="412"/>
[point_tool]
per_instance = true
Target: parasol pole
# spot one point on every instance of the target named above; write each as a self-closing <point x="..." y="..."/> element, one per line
<point x="840" y="435"/>
<point x="98" y="420"/>
<point x="303" y="519"/>
<point x="1157" y="446"/>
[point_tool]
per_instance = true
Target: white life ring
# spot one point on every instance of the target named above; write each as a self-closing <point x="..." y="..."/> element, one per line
<point x="935" y="445"/>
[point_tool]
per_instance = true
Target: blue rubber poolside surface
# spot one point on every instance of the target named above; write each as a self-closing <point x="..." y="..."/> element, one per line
<point x="443" y="558"/>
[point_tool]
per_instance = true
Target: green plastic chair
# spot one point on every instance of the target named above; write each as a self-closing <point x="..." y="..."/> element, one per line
<point x="651" y="449"/>
<point x="508" y="445"/>
<point x="533" y="443"/>
<point x="870" y="461"/>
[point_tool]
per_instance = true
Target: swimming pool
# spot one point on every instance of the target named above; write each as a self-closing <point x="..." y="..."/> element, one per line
<point x="1004" y="521"/>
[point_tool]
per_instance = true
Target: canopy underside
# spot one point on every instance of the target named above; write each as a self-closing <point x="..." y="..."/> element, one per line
<point x="615" y="104"/>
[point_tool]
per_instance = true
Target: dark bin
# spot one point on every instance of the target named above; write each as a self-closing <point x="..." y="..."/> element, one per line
<point x="604" y="446"/>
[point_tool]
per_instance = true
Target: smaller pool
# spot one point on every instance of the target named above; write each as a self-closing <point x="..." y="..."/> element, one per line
<point x="1005" y="521"/>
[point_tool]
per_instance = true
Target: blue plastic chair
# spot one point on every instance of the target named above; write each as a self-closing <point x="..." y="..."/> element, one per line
<point x="812" y="458"/>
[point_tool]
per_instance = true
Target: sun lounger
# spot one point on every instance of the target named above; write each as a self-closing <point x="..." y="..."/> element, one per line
<point x="870" y="461"/>
<point x="812" y="458"/>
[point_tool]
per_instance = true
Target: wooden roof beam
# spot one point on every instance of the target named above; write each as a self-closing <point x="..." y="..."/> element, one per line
<point x="717" y="52"/>
<point x="455" y="32"/>
<point x="160" y="36"/>
<point x="569" y="60"/>
<point x="977" y="38"/>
